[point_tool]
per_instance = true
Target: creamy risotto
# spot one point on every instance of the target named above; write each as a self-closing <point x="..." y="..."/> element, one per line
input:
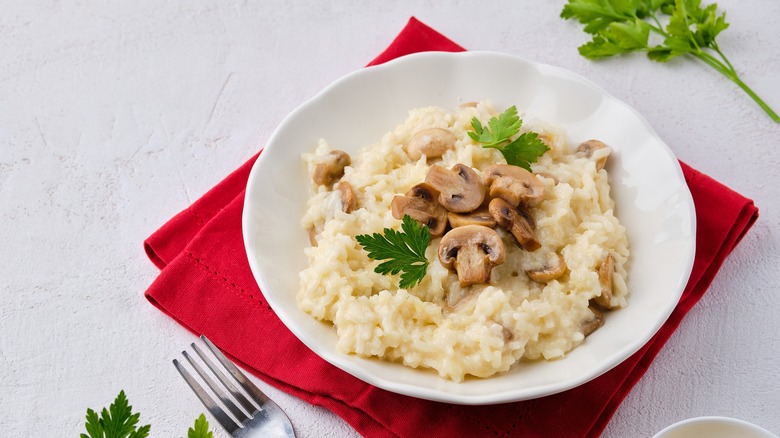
<point x="538" y="303"/>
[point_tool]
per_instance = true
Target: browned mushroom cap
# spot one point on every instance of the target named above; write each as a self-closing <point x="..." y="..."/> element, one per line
<point x="597" y="320"/>
<point x="348" y="198"/>
<point x="513" y="184"/>
<point x="554" y="268"/>
<point x="472" y="250"/>
<point x="586" y="149"/>
<point x="331" y="168"/>
<point x="605" y="280"/>
<point x="421" y="204"/>
<point x="432" y="143"/>
<point x="480" y="216"/>
<point x="460" y="188"/>
<point x="516" y="222"/>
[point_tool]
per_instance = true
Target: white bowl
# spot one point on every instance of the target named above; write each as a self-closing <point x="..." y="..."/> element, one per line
<point x="714" y="427"/>
<point x="653" y="202"/>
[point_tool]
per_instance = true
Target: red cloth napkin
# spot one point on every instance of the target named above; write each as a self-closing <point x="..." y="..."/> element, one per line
<point x="206" y="285"/>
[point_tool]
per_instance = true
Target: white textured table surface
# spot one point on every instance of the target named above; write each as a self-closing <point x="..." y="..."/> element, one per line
<point x="116" y="115"/>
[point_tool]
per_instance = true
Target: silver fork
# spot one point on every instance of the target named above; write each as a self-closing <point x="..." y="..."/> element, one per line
<point x="261" y="417"/>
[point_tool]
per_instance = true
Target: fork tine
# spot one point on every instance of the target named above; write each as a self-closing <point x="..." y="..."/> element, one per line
<point x="248" y="407"/>
<point x="245" y="383"/>
<point x="238" y="413"/>
<point x="224" y="420"/>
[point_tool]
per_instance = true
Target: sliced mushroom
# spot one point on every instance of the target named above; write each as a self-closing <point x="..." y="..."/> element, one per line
<point x="348" y="198"/>
<point x="554" y="268"/>
<point x="432" y="143"/>
<point x="331" y="167"/>
<point x="421" y="204"/>
<point x="515" y="221"/>
<point x="513" y="184"/>
<point x="587" y="148"/>
<point x="605" y="280"/>
<point x="460" y="188"/>
<point x="597" y="320"/>
<point x="480" y="216"/>
<point x="472" y="251"/>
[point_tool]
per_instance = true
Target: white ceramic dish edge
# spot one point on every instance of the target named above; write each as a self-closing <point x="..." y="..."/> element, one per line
<point x="714" y="427"/>
<point x="501" y="391"/>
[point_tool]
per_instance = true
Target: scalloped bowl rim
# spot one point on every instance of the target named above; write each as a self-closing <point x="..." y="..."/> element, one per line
<point x="670" y="214"/>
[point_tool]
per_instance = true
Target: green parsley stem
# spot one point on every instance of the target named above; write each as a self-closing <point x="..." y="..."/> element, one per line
<point x="722" y="56"/>
<point x="757" y="99"/>
<point x="660" y="27"/>
<point x="724" y="67"/>
<point x="728" y="71"/>
<point x="604" y="19"/>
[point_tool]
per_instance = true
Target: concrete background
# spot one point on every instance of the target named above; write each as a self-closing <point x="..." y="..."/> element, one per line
<point x="115" y="115"/>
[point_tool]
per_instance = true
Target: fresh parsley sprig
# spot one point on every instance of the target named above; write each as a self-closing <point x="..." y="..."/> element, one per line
<point x="523" y="151"/>
<point x="624" y="26"/>
<point x="119" y="421"/>
<point x="404" y="252"/>
<point x="200" y="429"/>
<point x="501" y="128"/>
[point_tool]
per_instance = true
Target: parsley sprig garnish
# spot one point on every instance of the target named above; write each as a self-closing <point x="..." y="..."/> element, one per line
<point x="623" y="26"/>
<point x="523" y="151"/>
<point x="404" y="252"/>
<point x="119" y="421"/>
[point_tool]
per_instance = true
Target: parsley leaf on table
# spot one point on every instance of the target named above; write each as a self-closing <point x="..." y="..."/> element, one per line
<point x="522" y="152"/>
<point x="200" y="429"/>
<point x="624" y="26"/>
<point x="118" y="421"/>
<point x="403" y="251"/>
